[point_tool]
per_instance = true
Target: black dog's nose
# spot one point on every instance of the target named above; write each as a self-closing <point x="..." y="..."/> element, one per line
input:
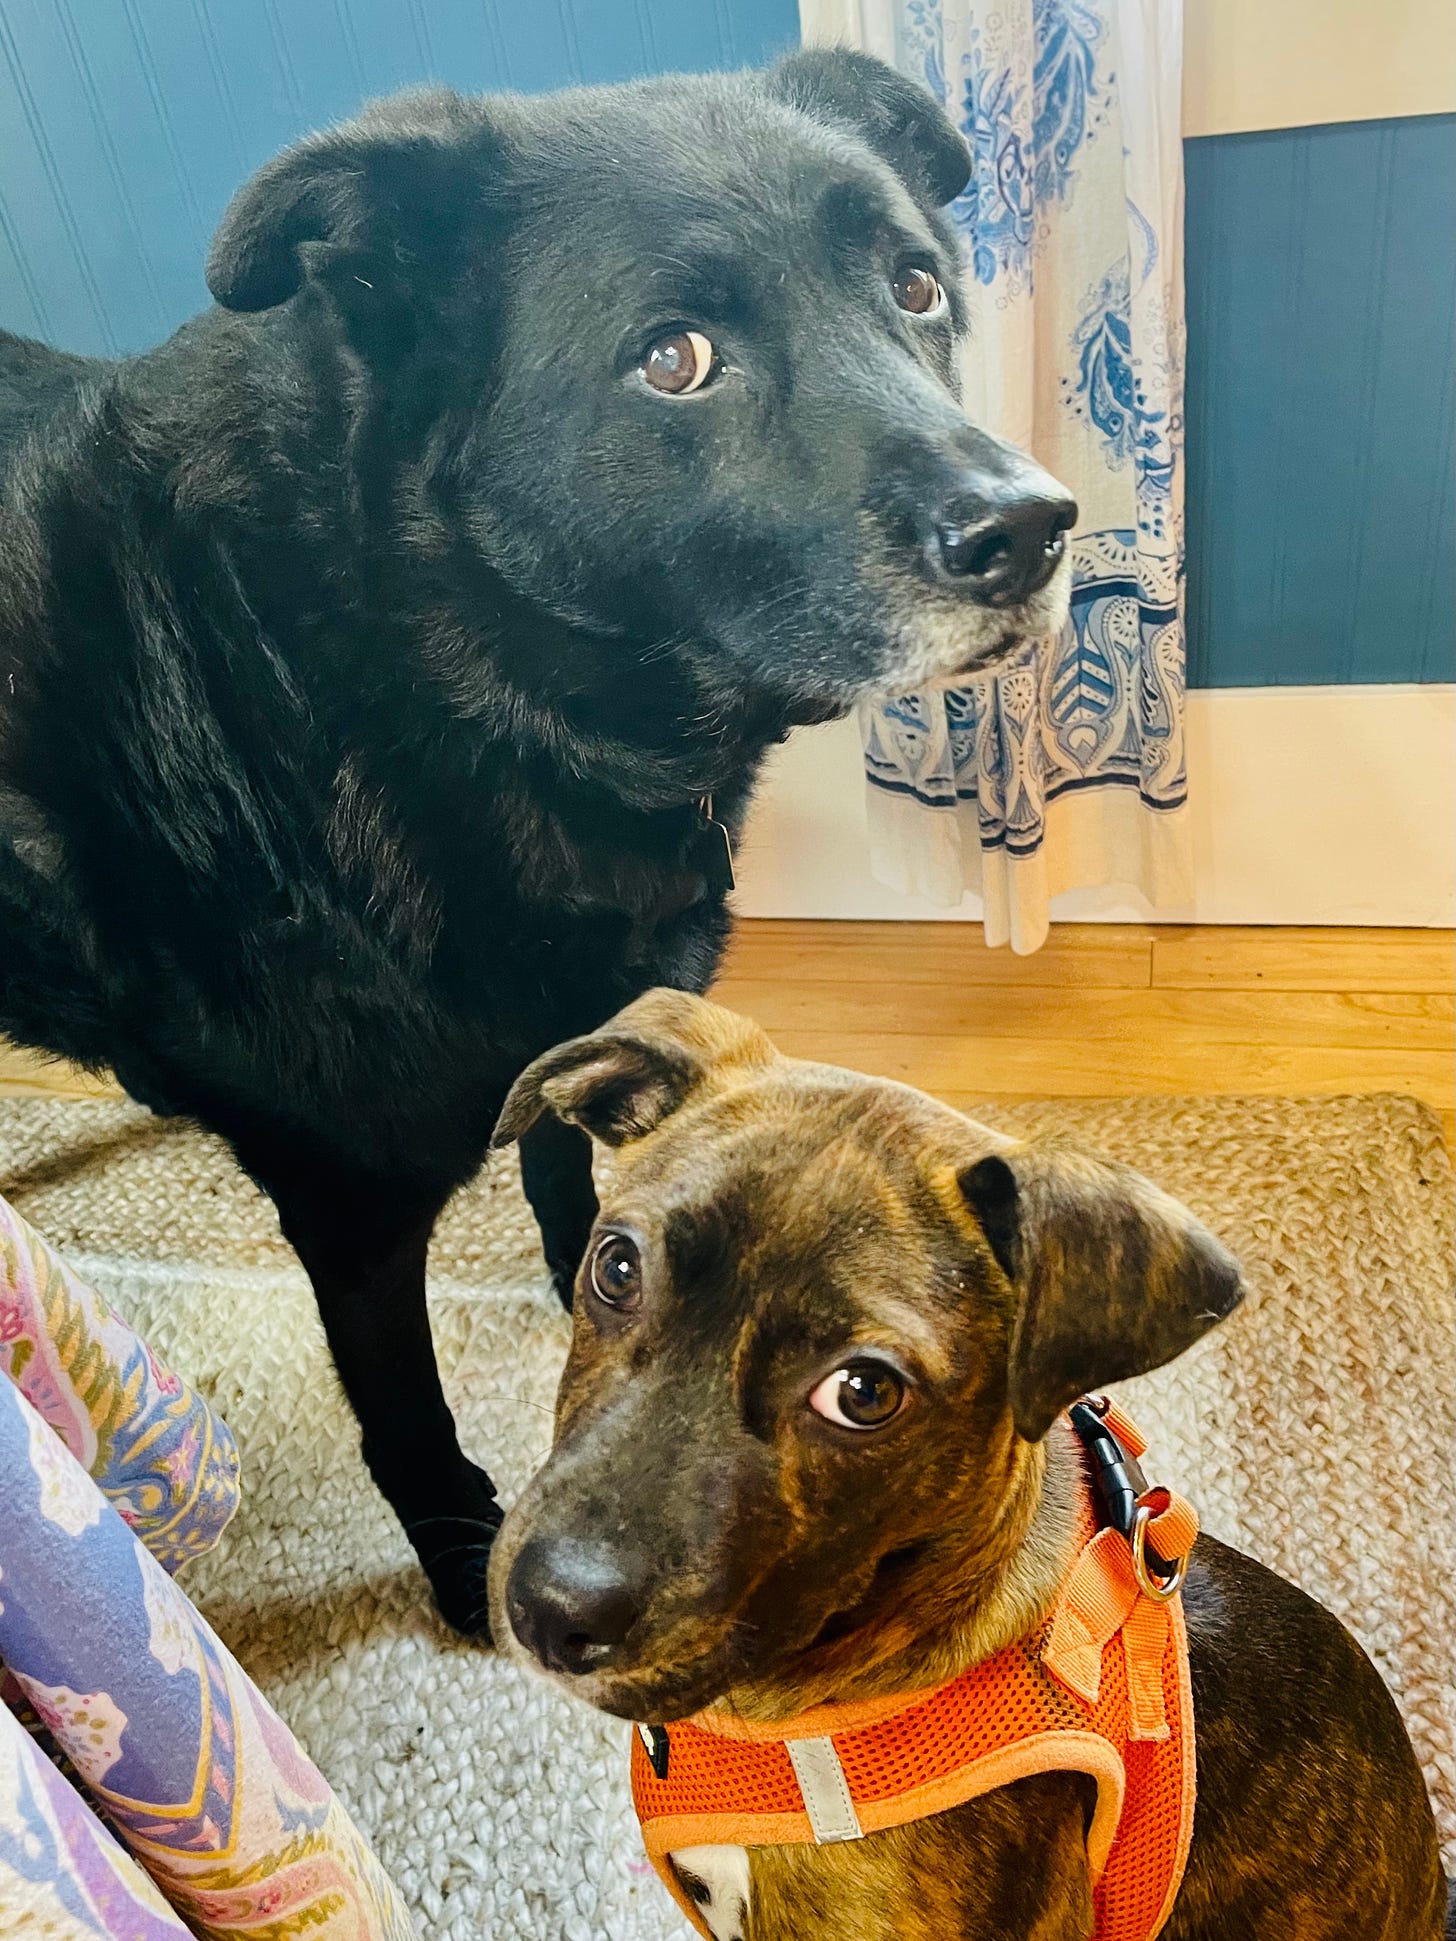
<point x="1003" y="553"/>
<point x="569" y="1602"/>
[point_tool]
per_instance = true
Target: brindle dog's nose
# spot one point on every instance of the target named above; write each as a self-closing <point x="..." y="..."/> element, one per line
<point x="1003" y="550"/>
<point x="570" y="1603"/>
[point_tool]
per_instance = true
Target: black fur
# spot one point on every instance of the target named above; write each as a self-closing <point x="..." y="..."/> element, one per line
<point x="365" y="649"/>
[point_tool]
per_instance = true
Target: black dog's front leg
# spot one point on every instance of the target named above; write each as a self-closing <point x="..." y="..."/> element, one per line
<point x="556" y="1173"/>
<point x="364" y="1247"/>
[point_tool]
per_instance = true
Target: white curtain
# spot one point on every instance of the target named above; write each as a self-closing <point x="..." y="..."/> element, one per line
<point x="1065" y="769"/>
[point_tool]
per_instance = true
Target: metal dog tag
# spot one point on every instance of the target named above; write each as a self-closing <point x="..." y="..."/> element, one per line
<point x="713" y="851"/>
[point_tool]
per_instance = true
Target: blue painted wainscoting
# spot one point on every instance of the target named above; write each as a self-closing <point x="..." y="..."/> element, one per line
<point x="1321" y="267"/>
<point x="1320" y="272"/>
<point x="125" y="125"/>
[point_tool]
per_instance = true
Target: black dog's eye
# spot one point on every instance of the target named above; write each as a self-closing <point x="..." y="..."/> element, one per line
<point x="918" y="292"/>
<point x="616" y="1271"/>
<point x="861" y="1395"/>
<point x="679" y="363"/>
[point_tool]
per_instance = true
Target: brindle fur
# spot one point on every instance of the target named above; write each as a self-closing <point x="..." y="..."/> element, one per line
<point x="786" y="1214"/>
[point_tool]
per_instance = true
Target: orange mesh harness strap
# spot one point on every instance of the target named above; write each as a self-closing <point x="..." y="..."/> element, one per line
<point x="1101" y="1687"/>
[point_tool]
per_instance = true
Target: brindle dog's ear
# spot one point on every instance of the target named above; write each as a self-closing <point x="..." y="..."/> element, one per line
<point x="352" y="205"/>
<point x="621" y="1082"/>
<point x="1112" y="1276"/>
<point x="897" y="118"/>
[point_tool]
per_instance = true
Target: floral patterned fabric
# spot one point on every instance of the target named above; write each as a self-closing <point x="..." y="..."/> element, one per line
<point x="62" y="1874"/>
<point x="194" y="1773"/>
<point x="1067" y="768"/>
<point x="151" y="1445"/>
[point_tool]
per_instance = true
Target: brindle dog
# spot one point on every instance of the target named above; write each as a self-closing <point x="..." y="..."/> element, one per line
<point x="801" y="1456"/>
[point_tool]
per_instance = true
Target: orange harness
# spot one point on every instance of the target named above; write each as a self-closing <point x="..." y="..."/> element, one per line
<point x="1100" y="1687"/>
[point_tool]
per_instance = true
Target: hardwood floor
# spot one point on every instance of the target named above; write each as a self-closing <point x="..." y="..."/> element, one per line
<point x="1105" y="1009"/>
<point x="26" y="1071"/>
<point x="1100" y="1009"/>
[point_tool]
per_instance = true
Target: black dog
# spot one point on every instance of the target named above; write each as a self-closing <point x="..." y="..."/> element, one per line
<point x="383" y="659"/>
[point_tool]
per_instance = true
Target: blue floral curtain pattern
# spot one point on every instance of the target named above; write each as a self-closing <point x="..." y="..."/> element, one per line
<point x="1067" y="768"/>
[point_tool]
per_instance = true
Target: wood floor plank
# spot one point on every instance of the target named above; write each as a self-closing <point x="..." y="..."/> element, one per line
<point x="1076" y="1068"/>
<point x="1079" y="956"/>
<point x="1297" y="959"/>
<point x="1176" y="1018"/>
<point x="27" y="1071"/>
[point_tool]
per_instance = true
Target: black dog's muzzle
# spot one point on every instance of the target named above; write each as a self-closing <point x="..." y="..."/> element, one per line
<point x="1003" y="553"/>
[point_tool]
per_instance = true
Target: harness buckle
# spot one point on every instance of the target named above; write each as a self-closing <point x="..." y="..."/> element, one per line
<point x="658" y="1747"/>
<point x="1122" y="1489"/>
<point x="1117" y="1477"/>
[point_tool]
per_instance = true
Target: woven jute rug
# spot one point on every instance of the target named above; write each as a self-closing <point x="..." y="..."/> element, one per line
<point x="1317" y="1430"/>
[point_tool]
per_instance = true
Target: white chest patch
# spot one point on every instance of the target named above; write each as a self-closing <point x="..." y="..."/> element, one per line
<point x="716" y="1880"/>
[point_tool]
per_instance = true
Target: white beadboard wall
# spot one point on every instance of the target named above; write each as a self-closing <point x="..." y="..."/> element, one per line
<point x="1310" y="805"/>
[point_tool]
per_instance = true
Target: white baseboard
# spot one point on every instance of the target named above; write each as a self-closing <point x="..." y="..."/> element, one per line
<point x="1315" y="805"/>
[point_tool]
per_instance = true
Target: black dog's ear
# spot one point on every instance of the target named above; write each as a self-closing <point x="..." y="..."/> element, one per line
<point x="1112" y="1276"/>
<point x="897" y="118"/>
<point x="369" y="194"/>
<point x="621" y="1082"/>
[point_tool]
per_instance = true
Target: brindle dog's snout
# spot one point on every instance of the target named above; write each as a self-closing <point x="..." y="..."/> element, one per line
<point x="571" y="1603"/>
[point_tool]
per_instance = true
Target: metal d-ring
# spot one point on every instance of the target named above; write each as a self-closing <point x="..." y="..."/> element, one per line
<point x="1160" y="1590"/>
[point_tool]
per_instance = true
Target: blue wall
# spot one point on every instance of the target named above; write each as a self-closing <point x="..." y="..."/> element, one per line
<point x="1321" y="267"/>
<point x="125" y="125"/>
<point x="1321" y="262"/>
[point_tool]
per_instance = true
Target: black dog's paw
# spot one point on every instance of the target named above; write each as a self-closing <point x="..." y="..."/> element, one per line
<point x="454" y="1549"/>
<point x="459" y="1585"/>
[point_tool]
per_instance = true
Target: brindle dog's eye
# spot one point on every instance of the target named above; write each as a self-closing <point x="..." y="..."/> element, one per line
<point x="861" y="1395"/>
<point x="679" y="363"/>
<point x="616" y="1271"/>
<point x="918" y="292"/>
